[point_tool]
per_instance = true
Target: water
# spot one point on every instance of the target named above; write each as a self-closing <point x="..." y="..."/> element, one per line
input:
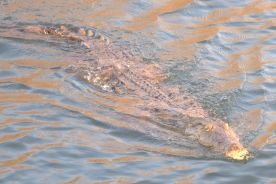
<point x="57" y="128"/>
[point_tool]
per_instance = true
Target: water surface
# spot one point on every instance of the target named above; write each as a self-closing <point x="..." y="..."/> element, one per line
<point x="57" y="128"/>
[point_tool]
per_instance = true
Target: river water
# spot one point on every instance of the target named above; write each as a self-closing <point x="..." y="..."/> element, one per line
<point x="57" y="128"/>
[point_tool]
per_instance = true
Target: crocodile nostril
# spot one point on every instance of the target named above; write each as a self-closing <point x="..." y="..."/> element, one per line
<point x="234" y="147"/>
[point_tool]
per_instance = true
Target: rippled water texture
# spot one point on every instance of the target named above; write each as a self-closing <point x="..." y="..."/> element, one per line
<point x="57" y="128"/>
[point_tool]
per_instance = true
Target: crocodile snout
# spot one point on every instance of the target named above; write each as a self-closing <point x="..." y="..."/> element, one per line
<point x="238" y="152"/>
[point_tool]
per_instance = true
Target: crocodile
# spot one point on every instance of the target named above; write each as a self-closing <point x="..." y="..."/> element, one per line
<point x="115" y="69"/>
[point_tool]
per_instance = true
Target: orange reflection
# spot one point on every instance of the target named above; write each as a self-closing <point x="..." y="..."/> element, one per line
<point x="105" y="161"/>
<point x="13" y="136"/>
<point x="203" y="31"/>
<point x="20" y="159"/>
<point x="169" y="169"/>
<point x="59" y="10"/>
<point x="37" y="63"/>
<point x="263" y="138"/>
<point x="164" y="171"/>
<point x="254" y="117"/>
<point x="197" y="35"/>
<point x="121" y="159"/>
<point x="30" y="80"/>
<point x="20" y="97"/>
<point x="4" y="172"/>
<point x="33" y="78"/>
<point x="25" y="156"/>
<point x="114" y="9"/>
<point x="229" y="85"/>
<point x="75" y="180"/>
<point x="243" y="61"/>
<point x="185" y="180"/>
<point x="151" y="16"/>
<point x="32" y="112"/>
<point x="232" y="14"/>
<point x="8" y="121"/>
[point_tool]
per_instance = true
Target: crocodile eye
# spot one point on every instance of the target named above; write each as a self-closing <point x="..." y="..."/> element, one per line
<point x="90" y="33"/>
<point x="209" y="127"/>
<point x="226" y="126"/>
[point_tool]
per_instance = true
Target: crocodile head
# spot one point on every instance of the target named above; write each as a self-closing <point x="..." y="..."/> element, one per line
<point x="218" y="136"/>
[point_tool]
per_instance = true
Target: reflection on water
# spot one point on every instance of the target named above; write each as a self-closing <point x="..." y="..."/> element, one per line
<point x="57" y="128"/>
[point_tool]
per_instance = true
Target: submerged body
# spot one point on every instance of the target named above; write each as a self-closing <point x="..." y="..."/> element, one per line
<point x="118" y="71"/>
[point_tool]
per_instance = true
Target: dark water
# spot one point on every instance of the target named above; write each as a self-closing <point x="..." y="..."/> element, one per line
<point x="56" y="128"/>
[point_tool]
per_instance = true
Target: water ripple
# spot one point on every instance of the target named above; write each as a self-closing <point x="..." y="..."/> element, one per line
<point x="57" y="128"/>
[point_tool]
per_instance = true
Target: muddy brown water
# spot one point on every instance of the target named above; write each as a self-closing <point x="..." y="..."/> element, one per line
<point x="57" y="128"/>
